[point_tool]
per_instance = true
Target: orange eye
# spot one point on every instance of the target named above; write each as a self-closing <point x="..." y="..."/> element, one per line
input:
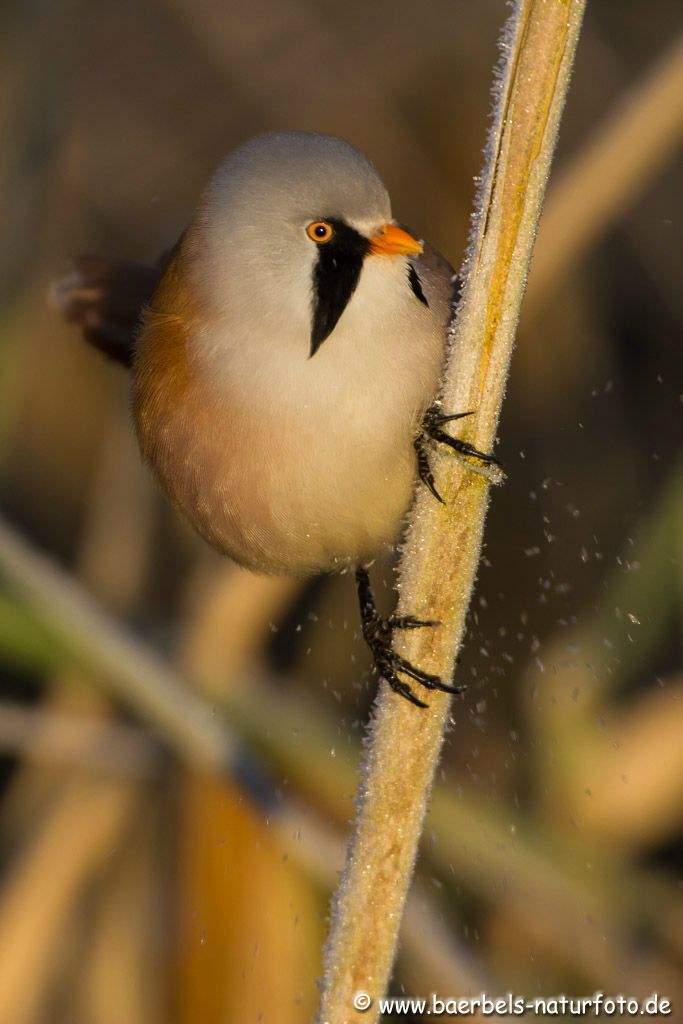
<point x="320" y="231"/>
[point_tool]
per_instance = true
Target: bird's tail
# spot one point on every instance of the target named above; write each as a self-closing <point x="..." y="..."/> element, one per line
<point x="106" y="298"/>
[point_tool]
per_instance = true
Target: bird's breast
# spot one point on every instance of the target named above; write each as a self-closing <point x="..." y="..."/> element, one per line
<point x="289" y="463"/>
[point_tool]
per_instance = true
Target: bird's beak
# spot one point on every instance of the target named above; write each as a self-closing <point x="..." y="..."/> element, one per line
<point x="392" y="240"/>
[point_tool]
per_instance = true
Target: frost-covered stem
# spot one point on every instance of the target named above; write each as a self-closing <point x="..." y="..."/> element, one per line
<point x="442" y="547"/>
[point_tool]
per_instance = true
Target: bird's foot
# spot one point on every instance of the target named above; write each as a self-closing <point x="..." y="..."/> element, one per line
<point x="432" y="430"/>
<point x="378" y="635"/>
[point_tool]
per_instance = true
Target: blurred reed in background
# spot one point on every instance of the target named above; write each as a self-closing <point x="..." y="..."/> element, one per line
<point x="180" y="754"/>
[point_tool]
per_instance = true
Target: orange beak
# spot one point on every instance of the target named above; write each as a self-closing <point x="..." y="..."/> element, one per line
<point x="391" y="240"/>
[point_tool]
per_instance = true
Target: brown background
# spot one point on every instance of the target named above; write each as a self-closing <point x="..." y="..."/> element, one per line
<point x="139" y="889"/>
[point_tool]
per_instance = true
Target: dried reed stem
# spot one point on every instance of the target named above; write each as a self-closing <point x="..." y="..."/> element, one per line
<point x="443" y="542"/>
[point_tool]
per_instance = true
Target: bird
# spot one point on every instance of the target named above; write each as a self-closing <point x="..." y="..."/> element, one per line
<point x="285" y="359"/>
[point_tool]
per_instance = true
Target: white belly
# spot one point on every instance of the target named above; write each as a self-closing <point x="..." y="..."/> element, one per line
<point x="301" y="464"/>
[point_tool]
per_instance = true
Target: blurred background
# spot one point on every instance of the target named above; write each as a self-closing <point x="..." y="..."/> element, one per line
<point x="180" y="741"/>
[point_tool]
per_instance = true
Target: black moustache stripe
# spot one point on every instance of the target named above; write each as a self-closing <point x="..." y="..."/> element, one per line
<point x="416" y="285"/>
<point x="335" y="278"/>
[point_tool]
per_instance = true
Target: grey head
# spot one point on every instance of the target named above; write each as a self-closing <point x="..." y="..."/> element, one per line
<point x="256" y="251"/>
<point x="296" y="175"/>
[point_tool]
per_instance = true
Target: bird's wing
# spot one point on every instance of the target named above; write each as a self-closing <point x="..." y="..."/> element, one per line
<point x="106" y="299"/>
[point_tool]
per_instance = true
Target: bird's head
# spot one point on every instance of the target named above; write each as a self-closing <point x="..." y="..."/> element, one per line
<point x="285" y="229"/>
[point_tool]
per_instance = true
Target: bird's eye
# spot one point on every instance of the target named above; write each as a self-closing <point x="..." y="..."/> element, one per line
<point x="320" y="231"/>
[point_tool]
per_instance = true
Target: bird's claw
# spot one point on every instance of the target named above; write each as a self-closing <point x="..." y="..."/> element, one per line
<point x="481" y="462"/>
<point x="378" y="634"/>
<point x="409" y="622"/>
